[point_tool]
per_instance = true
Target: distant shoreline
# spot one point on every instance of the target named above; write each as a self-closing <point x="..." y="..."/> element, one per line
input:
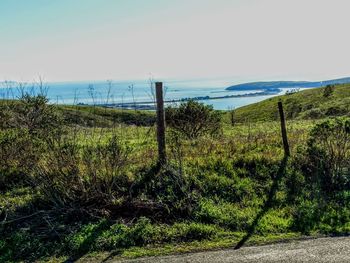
<point x="149" y="105"/>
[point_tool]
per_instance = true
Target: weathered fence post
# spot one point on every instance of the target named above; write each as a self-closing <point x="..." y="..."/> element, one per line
<point x="283" y="129"/>
<point x="160" y="124"/>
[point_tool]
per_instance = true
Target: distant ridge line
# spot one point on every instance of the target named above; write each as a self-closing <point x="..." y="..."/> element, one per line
<point x="267" y="85"/>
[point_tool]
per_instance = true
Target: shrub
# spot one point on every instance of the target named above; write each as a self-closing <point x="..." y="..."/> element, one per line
<point x="29" y="125"/>
<point x="6" y="115"/>
<point x="336" y="111"/>
<point x="34" y="114"/>
<point x="328" y="156"/>
<point x="315" y="113"/>
<point x="194" y="119"/>
<point x="84" y="176"/>
<point x="293" y="110"/>
<point x="326" y="217"/>
<point x="328" y="91"/>
<point x="19" y="155"/>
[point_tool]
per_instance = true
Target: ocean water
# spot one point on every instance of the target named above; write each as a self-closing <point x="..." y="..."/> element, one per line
<point x="116" y="92"/>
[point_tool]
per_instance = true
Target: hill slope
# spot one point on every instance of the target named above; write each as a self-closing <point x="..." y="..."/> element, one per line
<point x="91" y="116"/>
<point x="94" y="116"/>
<point x="287" y="84"/>
<point x="307" y="104"/>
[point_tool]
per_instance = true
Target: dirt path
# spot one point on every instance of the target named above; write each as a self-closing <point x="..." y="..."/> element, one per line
<point x="335" y="249"/>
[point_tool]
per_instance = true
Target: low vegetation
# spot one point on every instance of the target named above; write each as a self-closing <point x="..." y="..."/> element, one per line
<point x="193" y="119"/>
<point x="316" y="103"/>
<point x="76" y="180"/>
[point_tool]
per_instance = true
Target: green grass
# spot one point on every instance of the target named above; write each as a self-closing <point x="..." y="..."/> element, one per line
<point x="306" y="104"/>
<point x="211" y="197"/>
<point x="233" y="173"/>
<point x="93" y="116"/>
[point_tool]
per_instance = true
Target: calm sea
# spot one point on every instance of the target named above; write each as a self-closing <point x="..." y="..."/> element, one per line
<point x="103" y="92"/>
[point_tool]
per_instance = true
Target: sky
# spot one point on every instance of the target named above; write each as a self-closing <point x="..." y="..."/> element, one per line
<point x="244" y="40"/>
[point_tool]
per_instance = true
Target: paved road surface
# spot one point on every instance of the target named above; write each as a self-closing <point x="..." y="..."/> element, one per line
<point x="335" y="249"/>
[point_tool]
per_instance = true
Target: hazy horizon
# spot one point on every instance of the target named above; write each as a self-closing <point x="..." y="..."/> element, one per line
<point x="222" y="81"/>
<point x="240" y="40"/>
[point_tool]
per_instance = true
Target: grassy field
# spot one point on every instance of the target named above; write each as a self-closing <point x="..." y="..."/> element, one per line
<point x="308" y="104"/>
<point x="90" y="189"/>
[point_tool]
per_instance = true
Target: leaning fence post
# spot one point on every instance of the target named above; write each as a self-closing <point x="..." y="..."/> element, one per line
<point x="160" y="124"/>
<point x="283" y="129"/>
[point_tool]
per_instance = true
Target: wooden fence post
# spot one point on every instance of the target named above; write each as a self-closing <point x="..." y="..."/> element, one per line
<point x="283" y="130"/>
<point x="160" y="124"/>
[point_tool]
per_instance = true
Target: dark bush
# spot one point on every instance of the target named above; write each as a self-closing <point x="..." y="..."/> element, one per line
<point x="315" y="113"/>
<point x="328" y="91"/>
<point x="328" y="156"/>
<point x="194" y="119"/>
<point x="336" y="111"/>
<point x="293" y="110"/>
<point x="6" y="114"/>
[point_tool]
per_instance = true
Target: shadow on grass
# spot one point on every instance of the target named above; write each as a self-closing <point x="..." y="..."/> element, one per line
<point x="113" y="254"/>
<point x="89" y="241"/>
<point x="268" y="203"/>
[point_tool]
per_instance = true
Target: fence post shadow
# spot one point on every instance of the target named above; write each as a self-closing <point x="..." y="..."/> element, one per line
<point x="276" y="180"/>
<point x="268" y="203"/>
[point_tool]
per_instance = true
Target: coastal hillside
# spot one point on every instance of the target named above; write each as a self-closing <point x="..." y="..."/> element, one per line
<point x="83" y="182"/>
<point x="92" y="116"/>
<point x="307" y="104"/>
<point x="272" y="85"/>
<point x="95" y="116"/>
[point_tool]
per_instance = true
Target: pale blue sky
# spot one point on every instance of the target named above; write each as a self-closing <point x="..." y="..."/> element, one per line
<point x="131" y="39"/>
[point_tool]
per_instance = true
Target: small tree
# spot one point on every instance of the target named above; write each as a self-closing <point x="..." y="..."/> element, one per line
<point x="193" y="119"/>
<point x="328" y="91"/>
<point x="35" y="114"/>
